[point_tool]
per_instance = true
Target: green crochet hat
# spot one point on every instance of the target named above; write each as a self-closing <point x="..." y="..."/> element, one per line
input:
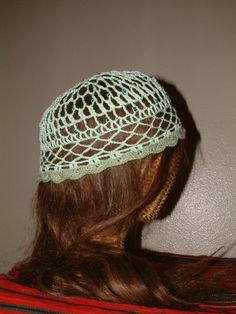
<point x="104" y="121"/>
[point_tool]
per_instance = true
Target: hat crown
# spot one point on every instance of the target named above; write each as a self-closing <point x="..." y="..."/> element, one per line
<point x="81" y="131"/>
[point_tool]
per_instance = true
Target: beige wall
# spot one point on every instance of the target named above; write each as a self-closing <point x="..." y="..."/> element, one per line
<point x="49" y="45"/>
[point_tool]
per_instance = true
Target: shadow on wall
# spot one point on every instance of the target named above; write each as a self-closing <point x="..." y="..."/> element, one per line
<point x="192" y="139"/>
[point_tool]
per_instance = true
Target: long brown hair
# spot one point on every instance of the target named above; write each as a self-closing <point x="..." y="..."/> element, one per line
<point x="77" y="248"/>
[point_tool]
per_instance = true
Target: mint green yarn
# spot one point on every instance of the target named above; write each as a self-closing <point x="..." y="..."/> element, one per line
<point x="96" y="124"/>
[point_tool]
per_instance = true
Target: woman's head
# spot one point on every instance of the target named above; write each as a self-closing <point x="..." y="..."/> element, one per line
<point x="106" y="160"/>
<point x="111" y="150"/>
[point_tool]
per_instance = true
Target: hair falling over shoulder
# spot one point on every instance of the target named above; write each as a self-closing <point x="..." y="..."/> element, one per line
<point x="85" y="243"/>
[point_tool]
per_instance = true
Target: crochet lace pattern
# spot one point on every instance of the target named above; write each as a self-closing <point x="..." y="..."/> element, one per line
<point x="104" y="121"/>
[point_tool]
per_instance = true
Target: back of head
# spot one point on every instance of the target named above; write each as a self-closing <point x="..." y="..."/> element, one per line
<point x="111" y="148"/>
<point x="97" y="137"/>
